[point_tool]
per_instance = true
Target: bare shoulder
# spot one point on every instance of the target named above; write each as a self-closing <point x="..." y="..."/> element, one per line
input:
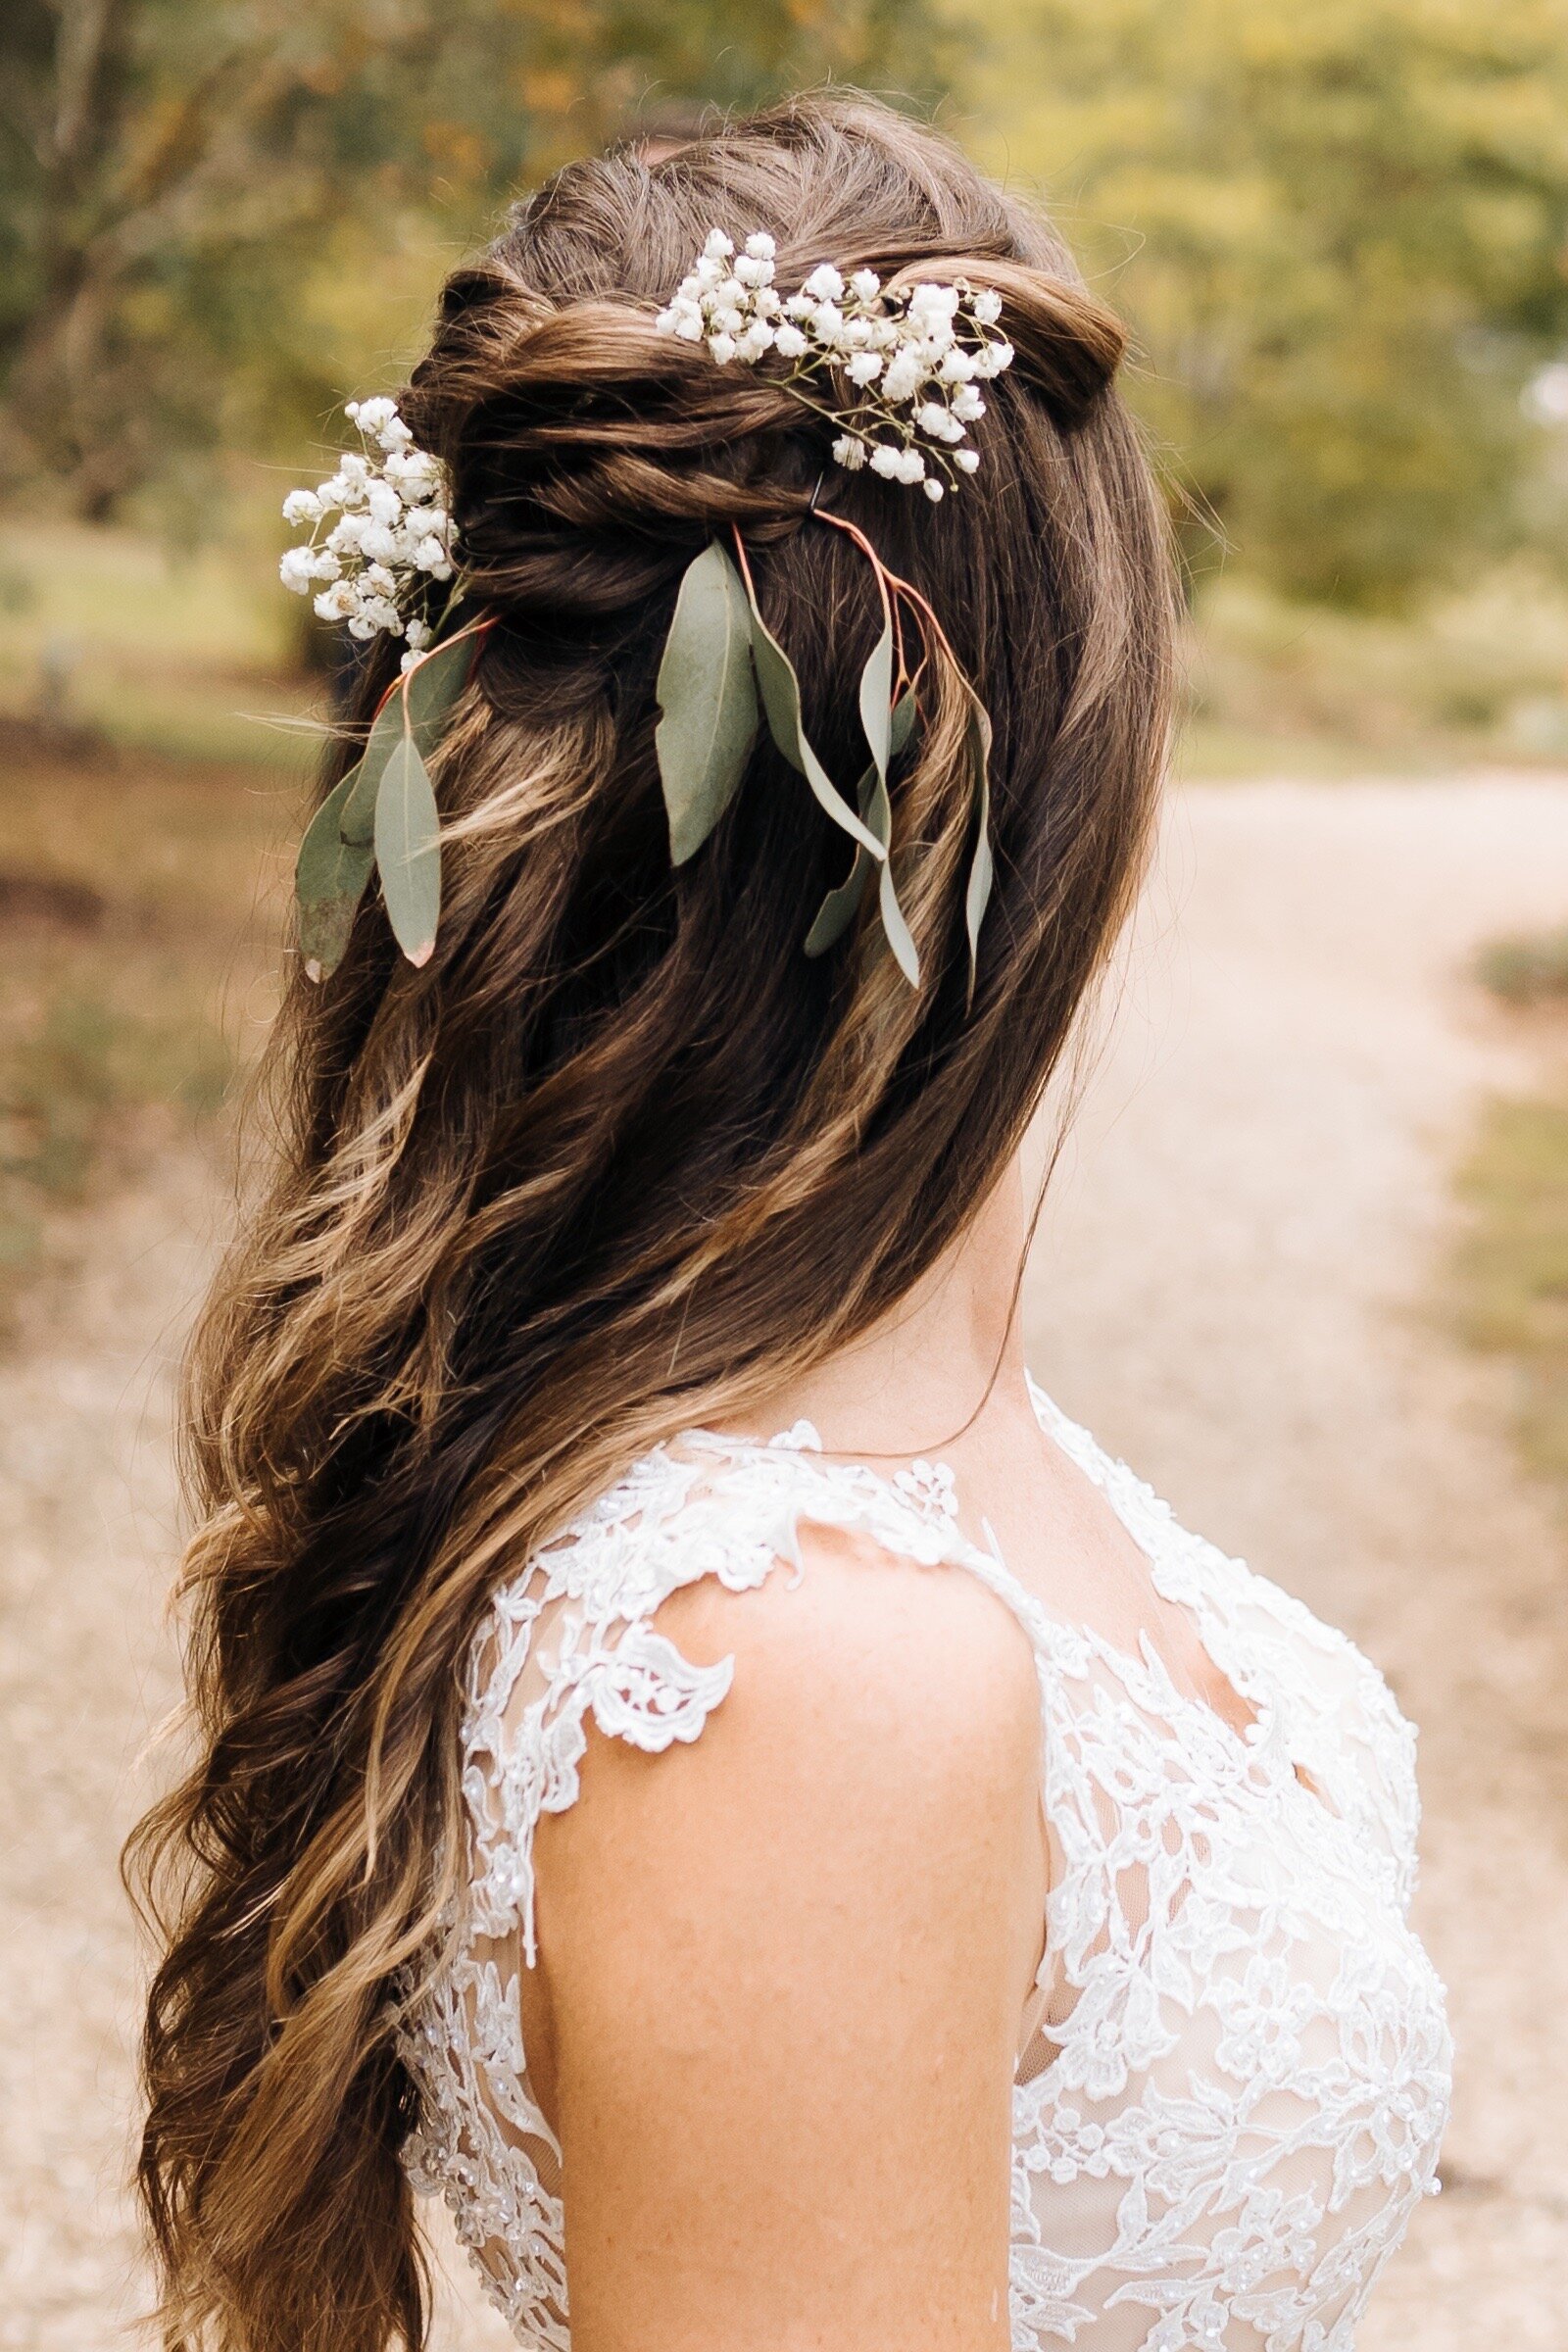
<point x="785" y="1966"/>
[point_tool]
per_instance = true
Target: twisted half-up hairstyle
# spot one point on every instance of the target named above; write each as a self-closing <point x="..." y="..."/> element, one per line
<point x="620" y="1157"/>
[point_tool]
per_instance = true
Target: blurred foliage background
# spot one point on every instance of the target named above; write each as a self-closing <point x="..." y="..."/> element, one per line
<point x="1341" y="234"/>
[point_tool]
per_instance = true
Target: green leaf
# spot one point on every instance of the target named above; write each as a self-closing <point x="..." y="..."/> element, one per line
<point x="408" y="850"/>
<point x="876" y="699"/>
<point x="432" y="687"/>
<point x="420" y="704"/>
<point x="330" y="879"/>
<point x="781" y="702"/>
<point x="706" y="700"/>
<point x="839" y="908"/>
<point x="977" y="894"/>
<point x="841" y="905"/>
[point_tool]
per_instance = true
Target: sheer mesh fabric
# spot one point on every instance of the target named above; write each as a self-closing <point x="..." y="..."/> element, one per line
<point x="1234" y="2071"/>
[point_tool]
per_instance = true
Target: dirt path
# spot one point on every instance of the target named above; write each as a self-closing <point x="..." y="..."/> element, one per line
<point x="1231" y="1288"/>
<point x="1235" y="1289"/>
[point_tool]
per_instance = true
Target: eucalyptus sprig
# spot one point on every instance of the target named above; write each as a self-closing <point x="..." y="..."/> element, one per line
<point x="382" y="815"/>
<point x="723" y="671"/>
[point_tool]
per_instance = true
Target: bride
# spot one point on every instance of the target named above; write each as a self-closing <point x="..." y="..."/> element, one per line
<point x="701" y="1763"/>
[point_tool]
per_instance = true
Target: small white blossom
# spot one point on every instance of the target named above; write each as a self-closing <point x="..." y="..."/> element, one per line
<point x="378" y="524"/>
<point x="370" y="414"/>
<point x="865" y="286"/>
<point x="849" y="453"/>
<point x="718" y="247"/>
<point x="986" y="305"/>
<point x="824" y="283"/>
<point x="722" y="347"/>
<point x="933" y="490"/>
<point x="384" y="505"/>
<point x="865" y="367"/>
<point x="967" y="405"/>
<point x="297" y="570"/>
<point x="790" y="343"/>
<point x="886" y="461"/>
<point x="904" y="376"/>
<point x="419" y="634"/>
<point x="966" y="459"/>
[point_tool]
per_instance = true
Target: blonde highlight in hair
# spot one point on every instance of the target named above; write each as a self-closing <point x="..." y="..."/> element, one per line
<point x="620" y="1157"/>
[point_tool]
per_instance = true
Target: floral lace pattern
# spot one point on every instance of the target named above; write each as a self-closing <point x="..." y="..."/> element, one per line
<point x="1236" y="2073"/>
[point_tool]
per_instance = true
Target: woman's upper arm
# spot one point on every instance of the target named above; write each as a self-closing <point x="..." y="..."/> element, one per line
<point x="784" y="1968"/>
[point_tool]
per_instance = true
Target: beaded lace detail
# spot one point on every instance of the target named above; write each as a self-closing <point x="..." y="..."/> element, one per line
<point x="1236" y="2070"/>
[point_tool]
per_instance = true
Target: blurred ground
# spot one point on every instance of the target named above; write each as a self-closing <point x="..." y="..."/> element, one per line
<point x="1235" y="1287"/>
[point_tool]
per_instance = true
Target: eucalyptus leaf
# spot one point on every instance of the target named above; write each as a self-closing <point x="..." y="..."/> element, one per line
<point x="977" y="894"/>
<point x="841" y="905"/>
<point x="900" y="937"/>
<point x="408" y="850"/>
<point x="419" y="704"/>
<point x="330" y="879"/>
<point x="876" y="697"/>
<point x="781" y="702"/>
<point x="706" y="700"/>
<point x="432" y="687"/>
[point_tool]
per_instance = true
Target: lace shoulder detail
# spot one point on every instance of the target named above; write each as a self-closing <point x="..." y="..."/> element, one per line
<point x="1236" y="2073"/>
<point x="1318" y="1694"/>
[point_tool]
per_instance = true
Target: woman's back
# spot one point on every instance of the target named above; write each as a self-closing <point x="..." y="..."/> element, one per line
<point x="951" y="1900"/>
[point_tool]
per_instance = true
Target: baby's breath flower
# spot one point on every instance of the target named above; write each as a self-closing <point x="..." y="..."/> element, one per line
<point x="379" y="527"/>
<point x="911" y="358"/>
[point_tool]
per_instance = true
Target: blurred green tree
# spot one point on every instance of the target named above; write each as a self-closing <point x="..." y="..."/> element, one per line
<point x="176" y="175"/>
<point x="1341" y="231"/>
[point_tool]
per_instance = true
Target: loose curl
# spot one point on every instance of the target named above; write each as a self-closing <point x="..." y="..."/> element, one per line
<point x="620" y="1157"/>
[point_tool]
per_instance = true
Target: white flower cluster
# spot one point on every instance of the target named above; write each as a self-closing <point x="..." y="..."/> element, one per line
<point x="916" y="357"/>
<point x="391" y="530"/>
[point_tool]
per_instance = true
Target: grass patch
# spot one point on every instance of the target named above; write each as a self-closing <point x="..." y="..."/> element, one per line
<point x="1281" y="689"/>
<point x="180" y="653"/>
<point x="1513" y="1264"/>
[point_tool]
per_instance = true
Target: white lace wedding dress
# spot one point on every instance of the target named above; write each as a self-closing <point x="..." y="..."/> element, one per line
<point x="1236" y="2073"/>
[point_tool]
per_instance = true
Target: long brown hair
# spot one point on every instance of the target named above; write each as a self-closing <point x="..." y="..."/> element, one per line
<point x="620" y="1156"/>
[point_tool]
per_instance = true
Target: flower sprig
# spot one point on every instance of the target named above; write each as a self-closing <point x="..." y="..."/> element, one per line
<point x="379" y="529"/>
<point x="914" y="356"/>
